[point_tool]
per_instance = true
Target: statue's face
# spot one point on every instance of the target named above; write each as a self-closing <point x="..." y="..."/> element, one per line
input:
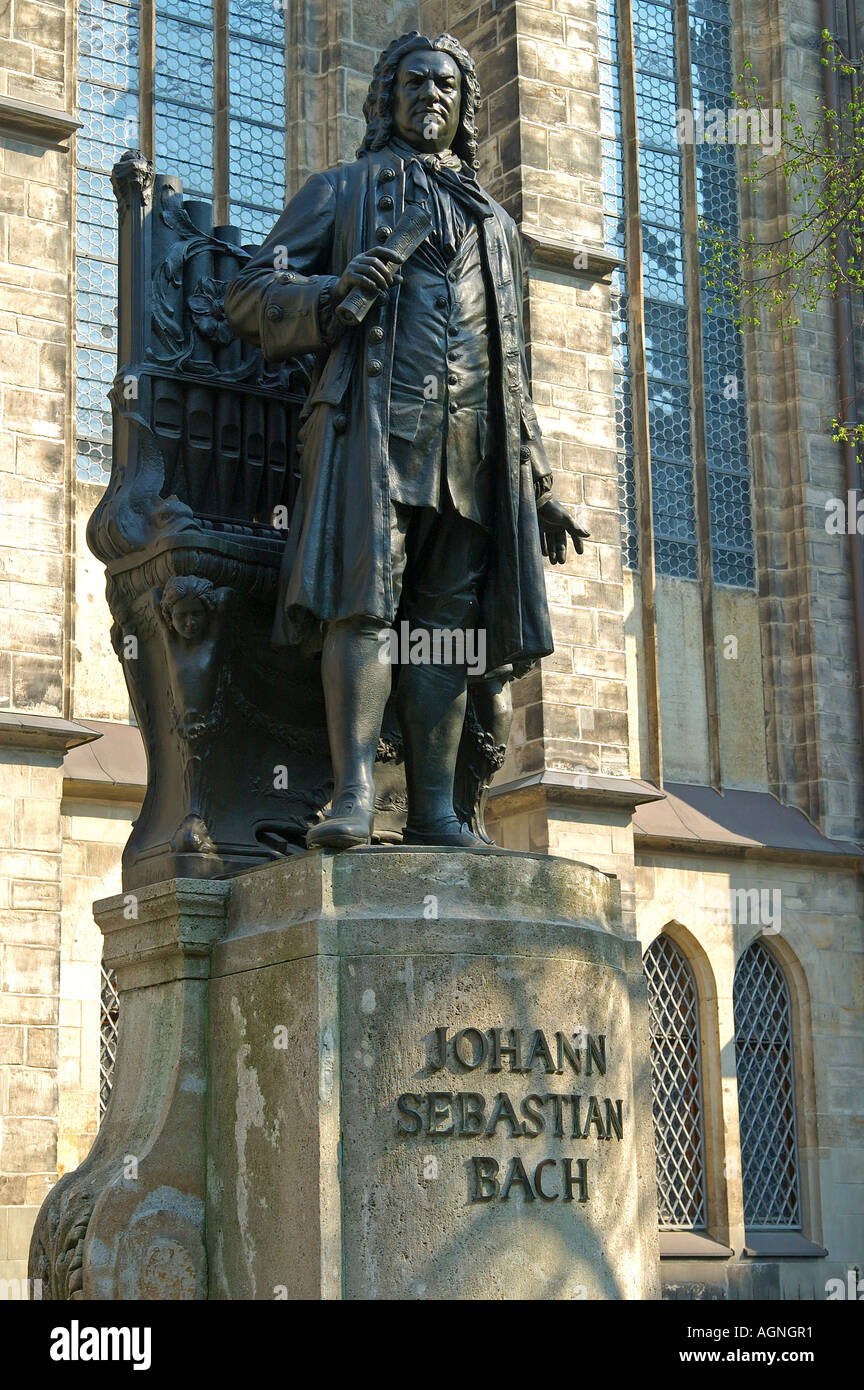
<point x="426" y="99"/>
<point x="189" y="617"/>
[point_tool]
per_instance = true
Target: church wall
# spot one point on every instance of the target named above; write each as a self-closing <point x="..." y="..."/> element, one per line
<point x="819" y="945"/>
<point x="809" y="662"/>
<point x="34" y="470"/>
<point x="98" y="688"/>
<point x="94" y="834"/>
<point x="789" y="720"/>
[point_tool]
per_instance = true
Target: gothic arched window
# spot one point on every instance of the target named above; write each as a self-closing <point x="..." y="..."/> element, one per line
<point x="676" y="1080"/>
<point x="766" y="1093"/>
<point x="662" y="59"/>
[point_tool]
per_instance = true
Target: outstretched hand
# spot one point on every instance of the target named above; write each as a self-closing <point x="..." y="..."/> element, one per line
<point x="556" y="524"/>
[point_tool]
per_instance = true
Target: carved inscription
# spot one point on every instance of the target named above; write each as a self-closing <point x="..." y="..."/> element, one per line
<point x="550" y="1110"/>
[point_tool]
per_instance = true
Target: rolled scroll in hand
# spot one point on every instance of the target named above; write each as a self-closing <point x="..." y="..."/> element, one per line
<point x="410" y="231"/>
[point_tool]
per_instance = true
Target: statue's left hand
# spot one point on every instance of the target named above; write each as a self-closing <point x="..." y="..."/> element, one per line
<point x="556" y="524"/>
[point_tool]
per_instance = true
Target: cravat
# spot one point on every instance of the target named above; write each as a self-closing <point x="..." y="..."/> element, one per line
<point x="449" y="181"/>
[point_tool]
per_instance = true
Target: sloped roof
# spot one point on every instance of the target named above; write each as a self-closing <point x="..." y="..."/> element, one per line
<point x="746" y="819"/>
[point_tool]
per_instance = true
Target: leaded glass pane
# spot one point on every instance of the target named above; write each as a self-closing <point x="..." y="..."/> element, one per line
<point x="656" y="104"/>
<point x="676" y="558"/>
<point x="255" y="226"/>
<point x="672" y="487"/>
<point x="257" y="163"/>
<point x="183" y="93"/>
<point x="717" y="10"/>
<point x="624" y="419"/>
<point x="766" y="1093"/>
<point x="614" y="227"/>
<point x="666" y="342"/>
<point x="667" y="348"/>
<point x="662" y="264"/>
<point x="661" y="188"/>
<point x="654" y="38"/>
<point x="721" y="344"/>
<point x="620" y="330"/>
<point x="97" y="303"/>
<point x="610" y="108"/>
<point x="663" y="275"/>
<point x="726" y="430"/>
<point x="710" y="54"/>
<point x="627" y="507"/>
<point x="614" y="224"/>
<point x="184" y="59"/>
<point x="183" y="116"/>
<point x="108" y="44"/>
<point x="727" y="444"/>
<point x="109" y="120"/>
<point x="717" y="192"/>
<point x="677" y="1088"/>
<point x="733" y="566"/>
<point x="256" y="110"/>
<point x="669" y="423"/>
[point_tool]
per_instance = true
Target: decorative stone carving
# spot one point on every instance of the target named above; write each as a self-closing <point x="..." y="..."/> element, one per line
<point x="129" y="1222"/>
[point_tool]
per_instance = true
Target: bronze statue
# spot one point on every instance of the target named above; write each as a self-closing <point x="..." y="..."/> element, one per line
<point x="423" y="471"/>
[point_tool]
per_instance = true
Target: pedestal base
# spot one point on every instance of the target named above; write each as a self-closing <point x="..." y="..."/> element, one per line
<point x="427" y="1077"/>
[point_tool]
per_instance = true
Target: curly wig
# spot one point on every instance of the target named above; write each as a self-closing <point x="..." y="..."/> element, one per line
<point x="378" y="106"/>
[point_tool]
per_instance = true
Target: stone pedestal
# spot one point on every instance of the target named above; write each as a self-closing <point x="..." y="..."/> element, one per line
<point x="426" y="1074"/>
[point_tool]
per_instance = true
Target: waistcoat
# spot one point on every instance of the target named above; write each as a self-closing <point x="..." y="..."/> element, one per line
<point x="440" y="393"/>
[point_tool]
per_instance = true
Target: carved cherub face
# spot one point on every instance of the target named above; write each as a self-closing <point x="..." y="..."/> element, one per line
<point x="427" y="94"/>
<point x="189" y="617"/>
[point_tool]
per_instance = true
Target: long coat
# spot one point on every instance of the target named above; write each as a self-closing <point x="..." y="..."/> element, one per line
<point x="337" y="559"/>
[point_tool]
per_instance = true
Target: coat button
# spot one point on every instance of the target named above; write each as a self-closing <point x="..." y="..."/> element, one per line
<point x="386" y="175"/>
<point x="452" y="277"/>
<point x="441" y="302"/>
<point x="383" y="233"/>
<point x="374" y="368"/>
<point x="453" y="407"/>
<point x="525" y="455"/>
<point x="275" y="313"/>
<point x="452" y="380"/>
<point x="376" y="335"/>
<point x="340" y="424"/>
<point x="385" y="203"/>
<point x="285" y="277"/>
